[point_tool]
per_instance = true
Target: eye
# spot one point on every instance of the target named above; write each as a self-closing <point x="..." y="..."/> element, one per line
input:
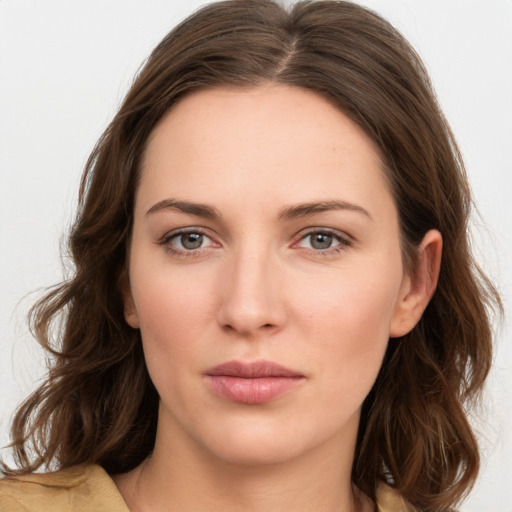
<point x="186" y="242"/>
<point x="323" y="240"/>
<point x="320" y="241"/>
<point x="189" y="241"/>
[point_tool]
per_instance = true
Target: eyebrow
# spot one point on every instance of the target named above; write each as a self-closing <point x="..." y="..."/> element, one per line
<point x="287" y="213"/>
<point x="198" y="209"/>
<point x="306" y="209"/>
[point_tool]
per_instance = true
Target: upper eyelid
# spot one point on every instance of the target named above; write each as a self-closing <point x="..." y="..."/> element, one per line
<point x="343" y="235"/>
<point x="180" y="231"/>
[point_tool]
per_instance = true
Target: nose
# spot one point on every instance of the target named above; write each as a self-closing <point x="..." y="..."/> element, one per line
<point x="252" y="299"/>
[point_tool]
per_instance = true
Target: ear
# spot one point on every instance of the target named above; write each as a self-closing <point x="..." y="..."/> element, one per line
<point x="130" y="313"/>
<point x="418" y="287"/>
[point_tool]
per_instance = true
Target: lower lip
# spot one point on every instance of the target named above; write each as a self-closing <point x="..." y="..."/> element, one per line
<point x="251" y="391"/>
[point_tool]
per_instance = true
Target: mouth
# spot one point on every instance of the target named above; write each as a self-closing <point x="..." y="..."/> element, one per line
<point x="255" y="382"/>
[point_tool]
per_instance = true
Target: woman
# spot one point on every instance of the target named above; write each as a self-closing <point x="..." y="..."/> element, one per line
<point x="275" y="306"/>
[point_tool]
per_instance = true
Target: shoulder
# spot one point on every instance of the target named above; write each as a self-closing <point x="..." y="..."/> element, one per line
<point x="84" y="488"/>
<point x="389" y="500"/>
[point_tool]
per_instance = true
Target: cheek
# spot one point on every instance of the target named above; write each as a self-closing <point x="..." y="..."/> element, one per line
<point x="173" y="309"/>
<point x="173" y="315"/>
<point x="161" y="307"/>
<point x="349" y="322"/>
<point x="351" y="307"/>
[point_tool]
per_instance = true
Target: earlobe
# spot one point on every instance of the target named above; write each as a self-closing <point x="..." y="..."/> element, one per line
<point x="130" y="313"/>
<point x="419" y="287"/>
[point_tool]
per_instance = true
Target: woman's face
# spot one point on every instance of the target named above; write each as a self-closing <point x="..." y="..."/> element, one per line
<point x="265" y="273"/>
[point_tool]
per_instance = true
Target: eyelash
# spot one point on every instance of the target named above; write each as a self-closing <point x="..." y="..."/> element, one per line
<point x="166" y="240"/>
<point x="344" y="242"/>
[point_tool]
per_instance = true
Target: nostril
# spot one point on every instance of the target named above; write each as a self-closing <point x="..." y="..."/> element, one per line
<point x="229" y="327"/>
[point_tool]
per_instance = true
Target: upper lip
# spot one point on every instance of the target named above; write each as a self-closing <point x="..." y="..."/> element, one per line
<point x="252" y="370"/>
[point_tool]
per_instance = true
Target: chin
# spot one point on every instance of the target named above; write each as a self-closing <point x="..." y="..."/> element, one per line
<point x="257" y="450"/>
<point x="260" y="441"/>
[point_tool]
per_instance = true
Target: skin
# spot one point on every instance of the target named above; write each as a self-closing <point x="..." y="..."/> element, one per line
<point x="258" y="287"/>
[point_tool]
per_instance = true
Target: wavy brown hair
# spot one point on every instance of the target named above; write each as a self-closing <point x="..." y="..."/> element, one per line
<point x="98" y="404"/>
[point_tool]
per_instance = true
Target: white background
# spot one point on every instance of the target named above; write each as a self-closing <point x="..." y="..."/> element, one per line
<point x="65" y="66"/>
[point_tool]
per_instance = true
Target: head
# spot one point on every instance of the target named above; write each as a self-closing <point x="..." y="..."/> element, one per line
<point x="354" y="62"/>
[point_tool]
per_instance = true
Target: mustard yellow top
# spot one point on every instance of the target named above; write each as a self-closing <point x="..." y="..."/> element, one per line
<point x="90" y="489"/>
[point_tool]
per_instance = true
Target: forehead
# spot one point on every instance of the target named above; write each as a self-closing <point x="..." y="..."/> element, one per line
<point x="274" y="143"/>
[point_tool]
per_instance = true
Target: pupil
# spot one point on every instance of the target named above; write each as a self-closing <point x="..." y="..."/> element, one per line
<point x="321" y="241"/>
<point x="192" y="240"/>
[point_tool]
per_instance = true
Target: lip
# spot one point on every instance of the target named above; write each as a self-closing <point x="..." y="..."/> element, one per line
<point x="254" y="382"/>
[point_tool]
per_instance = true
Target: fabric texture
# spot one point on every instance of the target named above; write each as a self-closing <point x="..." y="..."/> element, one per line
<point x="90" y="489"/>
<point x="77" y="489"/>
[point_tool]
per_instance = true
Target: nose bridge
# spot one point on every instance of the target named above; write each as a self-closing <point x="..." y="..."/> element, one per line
<point x="251" y="296"/>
